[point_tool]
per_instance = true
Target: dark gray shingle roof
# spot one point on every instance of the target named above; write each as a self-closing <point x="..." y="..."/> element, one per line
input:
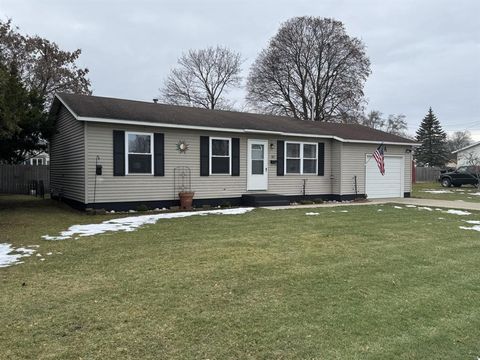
<point x="120" y="109"/>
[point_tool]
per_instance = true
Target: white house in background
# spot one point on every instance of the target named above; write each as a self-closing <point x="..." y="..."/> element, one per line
<point x="468" y="152"/>
<point x="41" y="159"/>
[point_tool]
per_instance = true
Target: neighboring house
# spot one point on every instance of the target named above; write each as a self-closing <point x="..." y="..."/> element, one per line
<point x="140" y="147"/>
<point x="40" y="159"/>
<point x="469" y="155"/>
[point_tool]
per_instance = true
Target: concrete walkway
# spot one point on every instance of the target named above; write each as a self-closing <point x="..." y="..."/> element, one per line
<point x="456" y="204"/>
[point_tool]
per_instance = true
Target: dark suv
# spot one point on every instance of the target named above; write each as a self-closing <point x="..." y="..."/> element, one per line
<point x="464" y="175"/>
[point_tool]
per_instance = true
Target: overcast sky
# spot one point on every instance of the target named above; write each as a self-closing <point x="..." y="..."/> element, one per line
<point x="423" y="52"/>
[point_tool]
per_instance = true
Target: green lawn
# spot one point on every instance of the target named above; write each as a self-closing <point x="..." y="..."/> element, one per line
<point x="362" y="284"/>
<point x="465" y="193"/>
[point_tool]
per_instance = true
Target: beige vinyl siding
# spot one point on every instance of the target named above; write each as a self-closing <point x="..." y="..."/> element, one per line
<point x="148" y="187"/>
<point x="67" y="157"/>
<point x="353" y="163"/>
<point x="336" y="164"/>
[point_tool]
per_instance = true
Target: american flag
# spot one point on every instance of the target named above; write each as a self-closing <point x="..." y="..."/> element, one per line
<point x="380" y="159"/>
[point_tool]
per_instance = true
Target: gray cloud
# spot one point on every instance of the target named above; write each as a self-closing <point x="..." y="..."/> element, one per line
<point x="424" y="53"/>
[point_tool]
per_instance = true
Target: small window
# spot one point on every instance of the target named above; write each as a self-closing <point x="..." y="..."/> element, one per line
<point x="139" y="153"/>
<point x="301" y="158"/>
<point x="39" y="161"/>
<point x="293" y="158"/>
<point x="309" y="158"/>
<point x="220" y="156"/>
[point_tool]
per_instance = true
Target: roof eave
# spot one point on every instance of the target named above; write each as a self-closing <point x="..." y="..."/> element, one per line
<point x="209" y="128"/>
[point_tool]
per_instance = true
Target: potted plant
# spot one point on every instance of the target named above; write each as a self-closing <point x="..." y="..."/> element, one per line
<point x="186" y="199"/>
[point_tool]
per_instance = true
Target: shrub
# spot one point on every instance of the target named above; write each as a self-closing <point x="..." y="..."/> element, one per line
<point x="142" y="207"/>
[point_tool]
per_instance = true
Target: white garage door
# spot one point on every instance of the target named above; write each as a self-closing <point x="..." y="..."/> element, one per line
<point x="387" y="186"/>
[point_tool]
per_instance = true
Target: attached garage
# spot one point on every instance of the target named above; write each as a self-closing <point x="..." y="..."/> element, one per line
<point x="389" y="185"/>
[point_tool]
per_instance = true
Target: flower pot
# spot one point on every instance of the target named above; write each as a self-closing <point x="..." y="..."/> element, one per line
<point x="186" y="199"/>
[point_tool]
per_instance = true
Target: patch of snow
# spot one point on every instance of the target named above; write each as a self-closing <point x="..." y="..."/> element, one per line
<point x="398" y="207"/>
<point x="437" y="191"/>
<point x="411" y="206"/>
<point x="437" y="209"/>
<point x="474" y="228"/>
<point x="344" y="211"/>
<point x="49" y="253"/>
<point x="476" y="222"/>
<point x="476" y="194"/>
<point x="39" y="255"/>
<point x="131" y="211"/>
<point x="441" y="218"/>
<point x="112" y="212"/>
<point x="380" y="210"/>
<point x="425" y="208"/>
<point x="312" y="213"/>
<point x="10" y="256"/>
<point x="132" y="223"/>
<point x="458" y="212"/>
<point x="42" y="259"/>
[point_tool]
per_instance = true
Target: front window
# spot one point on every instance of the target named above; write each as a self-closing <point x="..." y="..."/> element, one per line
<point x="301" y="158"/>
<point x="220" y="155"/>
<point x="139" y="153"/>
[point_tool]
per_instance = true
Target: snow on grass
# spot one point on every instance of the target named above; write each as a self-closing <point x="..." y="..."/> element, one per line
<point x="475" y="222"/>
<point x="344" y="211"/>
<point x="132" y="223"/>
<point x="441" y="218"/>
<point x="437" y="191"/>
<point x="474" y="228"/>
<point x="10" y="256"/>
<point x="458" y="212"/>
<point x="380" y="210"/>
<point x="476" y="194"/>
<point x="425" y="208"/>
<point x="312" y="213"/>
<point x="398" y="207"/>
<point x="411" y="206"/>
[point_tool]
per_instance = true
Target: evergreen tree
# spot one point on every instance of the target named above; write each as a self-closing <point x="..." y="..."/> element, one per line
<point x="433" y="140"/>
<point x="24" y="125"/>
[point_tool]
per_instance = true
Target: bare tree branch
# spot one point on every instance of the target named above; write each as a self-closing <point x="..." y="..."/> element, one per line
<point x="311" y="68"/>
<point x="203" y="77"/>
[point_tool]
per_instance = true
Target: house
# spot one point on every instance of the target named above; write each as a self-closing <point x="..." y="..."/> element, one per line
<point x="118" y="154"/>
<point x="469" y="155"/>
<point x="40" y="159"/>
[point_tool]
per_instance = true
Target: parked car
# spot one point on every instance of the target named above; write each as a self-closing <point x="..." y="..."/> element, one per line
<point x="464" y="175"/>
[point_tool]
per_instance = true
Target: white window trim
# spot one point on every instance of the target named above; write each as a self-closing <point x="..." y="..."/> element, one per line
<point x="301" y="158"/>
<point x="127" y="153"/>
<point x="229" y="155"/>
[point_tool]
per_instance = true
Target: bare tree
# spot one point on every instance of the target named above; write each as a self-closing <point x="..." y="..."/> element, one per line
<point x="456" y="141"/>
<point x="311" y="69"/>
<point x="374" y="119"/>
<point x="394" y="124"/>
<point x="203" y="77"/>
<point x="472" y="160"/>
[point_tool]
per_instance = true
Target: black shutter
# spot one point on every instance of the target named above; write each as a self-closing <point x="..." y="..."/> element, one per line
<point x="118" y="153"/>
<point x="235" y="157"/>
<point x="158" y="154"/>
<point x="204" y="155"/>
<point x="321" y="159"/>
<point x="280" y="157"/>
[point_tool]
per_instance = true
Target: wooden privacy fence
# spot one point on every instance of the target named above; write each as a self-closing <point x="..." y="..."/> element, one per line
<point x="24" y="179"/>
<point x="426" y="174"/>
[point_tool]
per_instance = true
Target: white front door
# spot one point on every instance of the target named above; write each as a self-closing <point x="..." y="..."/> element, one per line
<point x="257" y="166"/>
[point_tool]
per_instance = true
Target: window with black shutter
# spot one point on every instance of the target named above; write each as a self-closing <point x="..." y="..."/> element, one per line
<point x="220" y="156"/>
